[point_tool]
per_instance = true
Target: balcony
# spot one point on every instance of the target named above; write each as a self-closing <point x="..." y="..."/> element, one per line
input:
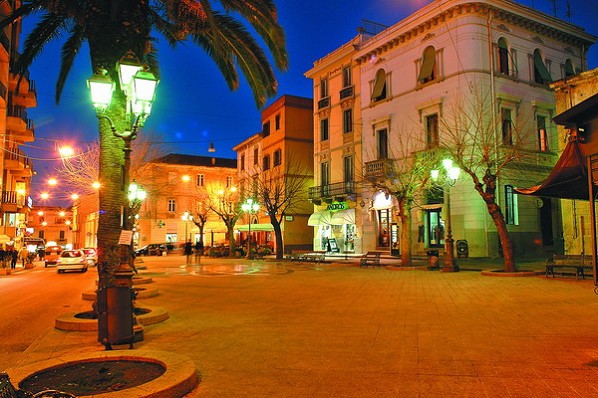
<point x="346" y="92"/>
<point x="5" y="44"/>
<point x="378" y="168"/>
<point x="327" y="193"/>
<point x="12" y="201"/>
<point x="17" y="162"/>
<point x="324" y="103"/>
<point x="20" y="126"/>
<point x="26" y="97"/>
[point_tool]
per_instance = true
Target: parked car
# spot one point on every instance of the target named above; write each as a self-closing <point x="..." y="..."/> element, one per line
<point x="154" y="249"/>
<point x="52" y="254"/>
<point x="92" y="256"/>
<point x="72" y="260"/>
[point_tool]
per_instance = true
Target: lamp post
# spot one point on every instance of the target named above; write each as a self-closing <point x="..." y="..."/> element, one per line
<point x="136" y="196"/>
<point x="451" y="176"/>
<point x="138" y="86"/>
<point x="186" y="217"/>
<point x="250" y="207"/>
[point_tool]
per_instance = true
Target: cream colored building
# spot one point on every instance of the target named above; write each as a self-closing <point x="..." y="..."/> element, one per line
<point x="17" y="93"/>
<point x="414" y="78"/>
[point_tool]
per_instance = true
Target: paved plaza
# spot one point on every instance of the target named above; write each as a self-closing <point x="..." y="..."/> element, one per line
<point x="267" y="329"/>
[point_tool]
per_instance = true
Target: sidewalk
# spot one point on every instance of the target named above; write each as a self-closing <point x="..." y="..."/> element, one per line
<point x="267" y="329"/>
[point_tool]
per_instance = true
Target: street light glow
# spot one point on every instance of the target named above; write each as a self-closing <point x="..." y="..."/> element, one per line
<point x="52" y="181"/>
<point x="96" y="185"/>
<point x="66" y="151"/>
<point x="44" y="195"/>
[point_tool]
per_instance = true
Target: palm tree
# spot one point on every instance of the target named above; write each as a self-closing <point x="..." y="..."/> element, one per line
<point x="113" y="28"/>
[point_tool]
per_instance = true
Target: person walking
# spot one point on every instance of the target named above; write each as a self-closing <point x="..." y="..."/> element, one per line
<point x="198" y="251"/>
<point x="23" y="255"/>
<point x="2" y="257"/>
<point x="13" y="257"/>
<point x="188" y="251"/>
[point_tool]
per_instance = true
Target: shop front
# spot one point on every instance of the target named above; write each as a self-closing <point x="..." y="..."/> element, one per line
<point x="336" y="229"/>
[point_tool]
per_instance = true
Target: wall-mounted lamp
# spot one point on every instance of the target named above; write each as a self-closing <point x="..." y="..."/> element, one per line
<point x="211" y="147"/>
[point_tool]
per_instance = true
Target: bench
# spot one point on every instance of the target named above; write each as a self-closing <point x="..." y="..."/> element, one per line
<point x="7" y="390"/>
<point x="578" y="263"/>
<point x="370" y="258"/>
<point x="309" y="257"/>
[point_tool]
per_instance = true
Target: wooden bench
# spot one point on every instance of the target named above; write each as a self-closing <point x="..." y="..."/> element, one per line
<point x="370" y="258"/>
<point x="578" y="263"/>
<point x="7" y="390"/>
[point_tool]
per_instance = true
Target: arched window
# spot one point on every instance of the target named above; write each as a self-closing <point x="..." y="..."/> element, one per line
<point x="503" y="56"/>
<point x="541" y="74"/>
<point x="569" y="71"/>
<point x="428" y="66"/>
<point x="379" y="92"/>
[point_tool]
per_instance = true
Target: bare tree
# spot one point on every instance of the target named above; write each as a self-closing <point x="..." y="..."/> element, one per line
<point x="487" y="146"/>
<point x="282" y="190"/>
<point x="225" y="202"/>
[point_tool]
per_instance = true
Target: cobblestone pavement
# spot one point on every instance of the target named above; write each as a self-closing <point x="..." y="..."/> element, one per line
<point x="262" y="329"/>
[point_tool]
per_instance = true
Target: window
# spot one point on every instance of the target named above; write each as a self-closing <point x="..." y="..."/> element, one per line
<point x="569" y="71"/>
<point x="256" y="156"/>
<point x="379" y="92"/>
<point x="324" y="129"/>
<point x="349" y="169"/>
<point x="229" y="181"/>
<point x="507" y="126"/>
<point x="200" y="180"/>
<point x="542" y="135"/>
<point x="323" y="88"/>
<point x="61" y="235"/>
<point x="266" y="129"/>
<point x="428" y="66"/>
<point x="511" y="208"/>
<point x="382" y="144"/>
<point x="432" y="140"/>
<point x="277" y="157"/>
<point x="347" y="81"/>
<point x="171" y="205"/>
<point x="347" y="120"/>
<point x="541" y="74"/>
<point x="41" y="234"/>
<point x="503" y="56"/>
<point x="242" y="161"/>
<point x="266" y="163"/>
<point x="277" y="122"/>
<point x="325" y="178"/>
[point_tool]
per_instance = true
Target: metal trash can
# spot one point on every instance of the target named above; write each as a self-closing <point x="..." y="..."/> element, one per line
<point x="462" y="248"/>
<point x="432" y="259"/>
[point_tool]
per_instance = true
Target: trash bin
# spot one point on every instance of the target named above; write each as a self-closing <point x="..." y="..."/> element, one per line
<point x="462" y="248"/>
<point x="432" y="259"/>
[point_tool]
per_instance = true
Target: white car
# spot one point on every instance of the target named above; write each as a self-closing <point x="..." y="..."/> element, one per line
<point x="92" y="256"/>
<point x="72" y="260"/>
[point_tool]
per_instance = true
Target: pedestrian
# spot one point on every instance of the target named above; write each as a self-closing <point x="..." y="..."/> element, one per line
<point x="2" y="256"/>
<point x="13" y="257"/>
<point x="41" y="252"/>
<point x="188" y="251"/>
<point x="23" y="255"/>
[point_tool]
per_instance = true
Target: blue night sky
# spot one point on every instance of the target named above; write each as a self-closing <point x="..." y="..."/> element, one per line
<point x="194" y="105"/>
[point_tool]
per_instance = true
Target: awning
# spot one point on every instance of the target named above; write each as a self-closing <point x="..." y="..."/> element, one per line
<point x="4" y="238"/>
<point x="255" y="227"/>
<point x="319" y="218"/>
<point x="568" y="179"/>
<point x="343" y="217"/>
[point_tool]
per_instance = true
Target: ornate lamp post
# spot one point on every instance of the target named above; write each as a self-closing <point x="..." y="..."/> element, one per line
<point x="250" y="207"/>
<point x="186" y="217"/>
<point x="451" y="176"/>
<point x="115" y="313"/>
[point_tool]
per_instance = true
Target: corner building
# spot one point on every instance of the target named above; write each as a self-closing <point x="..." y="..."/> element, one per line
<point x="413" y="79"/>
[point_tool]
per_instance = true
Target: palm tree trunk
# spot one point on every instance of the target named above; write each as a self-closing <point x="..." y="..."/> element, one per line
<point x="405" y="217"/>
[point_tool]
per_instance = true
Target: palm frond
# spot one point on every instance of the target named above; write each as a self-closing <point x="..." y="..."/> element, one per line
<point x="70" y="49"/>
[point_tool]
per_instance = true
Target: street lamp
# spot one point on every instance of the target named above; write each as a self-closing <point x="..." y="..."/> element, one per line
<point x="250" y="207"/>
<point x="138" y="86"/>
<point x="136" y="196"/>
<point x="451" y="176"/>
<point x="186" y="217"/>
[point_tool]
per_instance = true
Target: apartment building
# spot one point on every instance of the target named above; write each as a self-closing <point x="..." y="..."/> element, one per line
<point x="490" y="60"/>
<point x="17" y="93"/>
<point x="53" y="224"/>
<point x="273" y="161"/>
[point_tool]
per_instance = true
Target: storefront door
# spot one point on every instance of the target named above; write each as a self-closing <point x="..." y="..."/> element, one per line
<point x="434" y="228"/>
<point x="384" y="220"/>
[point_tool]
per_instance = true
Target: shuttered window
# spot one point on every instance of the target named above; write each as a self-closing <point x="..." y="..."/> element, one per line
<point x="426" y="72"/>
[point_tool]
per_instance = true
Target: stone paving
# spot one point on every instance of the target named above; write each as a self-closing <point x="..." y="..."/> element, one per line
<point x="262" y="329"/>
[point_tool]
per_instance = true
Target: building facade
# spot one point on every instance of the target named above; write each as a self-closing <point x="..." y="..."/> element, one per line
<point x="53" y="224"/>
<point x="338" y="216"/>
<point x="274" y="161"/>
<point x="179" y="186"/>
<point x="492" y="61"/>
<point x="17" y="93"/>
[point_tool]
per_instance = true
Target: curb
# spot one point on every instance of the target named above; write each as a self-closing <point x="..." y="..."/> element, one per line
<point x="69" y="322"/>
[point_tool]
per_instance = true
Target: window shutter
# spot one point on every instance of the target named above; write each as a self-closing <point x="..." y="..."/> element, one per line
<point x="428" y="62"/>
<point x="379" y="84"/>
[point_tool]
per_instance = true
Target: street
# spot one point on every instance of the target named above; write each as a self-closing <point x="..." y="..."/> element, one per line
<point x="336" y="330"/>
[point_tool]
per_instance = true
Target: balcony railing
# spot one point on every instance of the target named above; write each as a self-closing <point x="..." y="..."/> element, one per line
<point x="378" y="168"/>
<point x="338" y="189"/>
<point x="18" y="111"/>
<point x="3" y="91"/>
<point x="17" y="154"/>
<point x="324" y="103"/>
<point x="4" y="41"/>
<point x="13" y="199"/>
<point x="346" y="92"/>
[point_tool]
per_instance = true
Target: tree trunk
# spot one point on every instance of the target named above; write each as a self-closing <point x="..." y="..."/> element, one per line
<point x="405" y="217"/>
<point x="503" y="235"/>
<point x="230" y="232"/>
<point x="278" y="237"/>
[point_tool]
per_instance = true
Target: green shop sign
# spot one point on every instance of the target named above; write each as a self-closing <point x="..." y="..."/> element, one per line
<point x="337" y="206"/>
